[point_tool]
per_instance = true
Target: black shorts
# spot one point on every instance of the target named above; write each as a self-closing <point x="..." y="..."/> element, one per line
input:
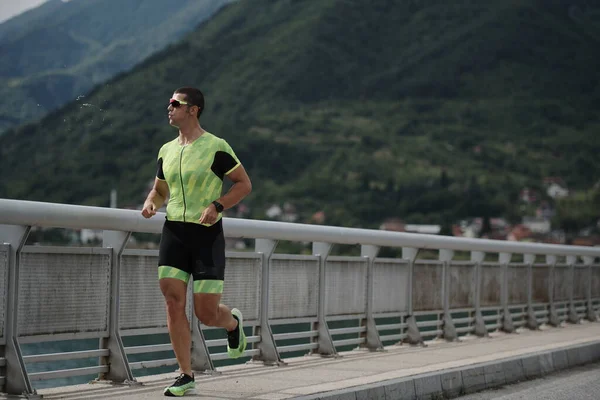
<point x="193" y="249"/>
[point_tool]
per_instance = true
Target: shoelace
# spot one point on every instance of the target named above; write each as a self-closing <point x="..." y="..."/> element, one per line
<point x="180" y="380"/>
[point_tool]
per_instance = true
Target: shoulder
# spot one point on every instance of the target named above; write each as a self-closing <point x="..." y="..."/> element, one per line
<point x="165" y="148"/>
<point x="217" y="142"/>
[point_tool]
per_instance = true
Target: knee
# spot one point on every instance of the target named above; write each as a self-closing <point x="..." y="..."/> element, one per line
<point x="207" y="317"/>
<point x="175" y="305"/>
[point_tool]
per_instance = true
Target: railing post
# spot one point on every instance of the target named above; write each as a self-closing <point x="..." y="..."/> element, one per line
<point x="326" y="346"/>
<point x="573" y="316"/>
<point x="591" y="314"/>
<point x="553" y="319"/>
<point x="119" y="370"/>
<point x="480" y="329"/>
<point x="267" y="346"/>
<point x="531" y="318"/>
<point x="200" y="354"/>
<point x="373" y="341"/>
<point x="507" y="323"/>
<point x="413" y="335"/>
<point x="445" y="257"/>
<point x="17" y="380"/>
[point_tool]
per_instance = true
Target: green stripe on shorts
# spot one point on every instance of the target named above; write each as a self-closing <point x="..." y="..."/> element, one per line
<point x="208" y="286"/>
<point x="170" y="272"/>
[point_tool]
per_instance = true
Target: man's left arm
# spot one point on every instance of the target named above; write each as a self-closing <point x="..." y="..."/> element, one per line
<point x="226" y="164"/>
<point x="242" y="186"/>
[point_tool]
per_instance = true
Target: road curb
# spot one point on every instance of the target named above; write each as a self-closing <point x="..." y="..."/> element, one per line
<point x="451" y="383"/>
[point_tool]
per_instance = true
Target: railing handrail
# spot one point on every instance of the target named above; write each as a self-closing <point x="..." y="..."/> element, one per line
<point x="42" y="214"/>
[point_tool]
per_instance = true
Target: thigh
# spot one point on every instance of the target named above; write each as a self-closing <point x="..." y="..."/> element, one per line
<point x="173" y="256"/>
<point x="208" y="261"/>
<point x="174" y="290"/>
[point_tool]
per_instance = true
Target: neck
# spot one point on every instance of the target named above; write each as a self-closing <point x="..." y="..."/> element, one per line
<point x="190" y="132"/>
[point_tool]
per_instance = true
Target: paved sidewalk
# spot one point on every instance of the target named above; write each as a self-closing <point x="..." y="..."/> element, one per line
<point x="466" y="366"/>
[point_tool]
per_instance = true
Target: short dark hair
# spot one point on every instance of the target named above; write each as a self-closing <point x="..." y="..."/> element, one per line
<point x="193" y="96"/>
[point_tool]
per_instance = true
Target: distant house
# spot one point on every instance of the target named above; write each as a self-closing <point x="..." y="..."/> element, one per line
<point x="473" y="228"/>
<point x="289" y="212"/>
<point x="397" y="225"/>
<point x="318" y="218"/>
<point x="537" y="225"/>
<point x="242" y="211"/>
<point x="527" y="195"/>
<point x="393" y="224"/>
<point x="427" y="229"/>
<point x="519" y="233"/>
<point x="556" y="191"/>
<point x="274" y="212"/>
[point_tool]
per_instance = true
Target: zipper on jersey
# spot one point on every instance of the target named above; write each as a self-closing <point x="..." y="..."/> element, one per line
<point x="181" y="180"/>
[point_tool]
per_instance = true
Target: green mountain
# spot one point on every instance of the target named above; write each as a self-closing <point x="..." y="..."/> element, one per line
<point x="60" y="50"/>
<point x="428" y="111"/>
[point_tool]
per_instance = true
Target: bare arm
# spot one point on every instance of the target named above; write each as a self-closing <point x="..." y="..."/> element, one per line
<point x="156" y="198"/>
<point x="240" y="189"/>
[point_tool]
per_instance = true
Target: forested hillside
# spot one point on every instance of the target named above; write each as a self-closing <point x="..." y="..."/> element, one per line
<point x="57" y="52"/>
<point x="425" y="110"/>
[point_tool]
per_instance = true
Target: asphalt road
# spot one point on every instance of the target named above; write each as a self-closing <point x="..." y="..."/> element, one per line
<point x="576" y="384"/>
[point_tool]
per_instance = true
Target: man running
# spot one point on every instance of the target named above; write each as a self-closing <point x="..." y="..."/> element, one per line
<point x="190" y="173"/>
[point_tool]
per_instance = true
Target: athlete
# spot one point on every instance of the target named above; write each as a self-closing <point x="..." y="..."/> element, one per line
<point x="190" y="173"/>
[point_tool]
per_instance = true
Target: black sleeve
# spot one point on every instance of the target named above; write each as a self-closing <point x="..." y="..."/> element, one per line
<point x="159" y="170"/>
<point x="222" y="163"/>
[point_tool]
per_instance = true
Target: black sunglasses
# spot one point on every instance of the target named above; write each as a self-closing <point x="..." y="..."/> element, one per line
<point x="178" y="103"/>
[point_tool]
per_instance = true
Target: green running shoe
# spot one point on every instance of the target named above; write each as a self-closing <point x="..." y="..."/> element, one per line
<point x="236" y="339"/>
<point x="182" y="384"/>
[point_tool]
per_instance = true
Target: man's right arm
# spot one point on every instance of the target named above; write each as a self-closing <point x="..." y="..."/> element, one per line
<point x="156" y="198"/>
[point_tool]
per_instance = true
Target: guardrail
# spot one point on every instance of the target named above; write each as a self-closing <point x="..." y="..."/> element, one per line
<point x="326" y="303"/>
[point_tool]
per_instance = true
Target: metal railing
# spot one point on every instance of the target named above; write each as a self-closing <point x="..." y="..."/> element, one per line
<point x="111" y="293"/>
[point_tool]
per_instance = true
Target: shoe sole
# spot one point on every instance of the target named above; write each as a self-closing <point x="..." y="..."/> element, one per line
<point x="168" y="393"/>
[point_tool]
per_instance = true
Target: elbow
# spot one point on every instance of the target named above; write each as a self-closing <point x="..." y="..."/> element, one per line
<point x="248" y="187"/>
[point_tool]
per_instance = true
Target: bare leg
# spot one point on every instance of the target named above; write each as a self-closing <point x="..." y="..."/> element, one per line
<point x="211" y="313"/>
<point x="174" y="291"/>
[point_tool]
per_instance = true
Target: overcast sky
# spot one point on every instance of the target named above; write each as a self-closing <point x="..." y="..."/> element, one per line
<point x="10" y="8"/>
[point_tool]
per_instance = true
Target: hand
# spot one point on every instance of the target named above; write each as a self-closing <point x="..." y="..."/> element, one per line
<point x="209" y="215"/>
<point x="149" y="210"/>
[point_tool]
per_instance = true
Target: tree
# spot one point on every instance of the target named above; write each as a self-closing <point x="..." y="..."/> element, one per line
<point x="578" y="211"/>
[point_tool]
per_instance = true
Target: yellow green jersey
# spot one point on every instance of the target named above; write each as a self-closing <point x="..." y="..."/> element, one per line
<point x="194" y="174"/>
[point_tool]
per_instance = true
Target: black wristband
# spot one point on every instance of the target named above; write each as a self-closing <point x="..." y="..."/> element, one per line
<point x="218" y="206"/>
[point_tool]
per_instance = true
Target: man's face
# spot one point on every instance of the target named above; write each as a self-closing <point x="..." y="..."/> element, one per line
<point x="179" y="110"/>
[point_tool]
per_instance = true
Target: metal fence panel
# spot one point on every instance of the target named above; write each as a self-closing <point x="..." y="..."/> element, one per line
<point x="580" y="280"/>
<point x="517" y="284"/>
<point x="462" y="285"/>
<point x="4" y="254"/>
<point x="346" y="285"/>
<point x="141" y="302"/>
<point x="63" y="290"/>
<point x="242" y="288"/>
<point x="293" y="286"/>
<point x="491" y="285"/>
<point x="562" y="283"/>
<point x="427" y="283"/>
<point x="390" y="286"/>
<point x="595" y="281"/>
<point x="540" y="275"/>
